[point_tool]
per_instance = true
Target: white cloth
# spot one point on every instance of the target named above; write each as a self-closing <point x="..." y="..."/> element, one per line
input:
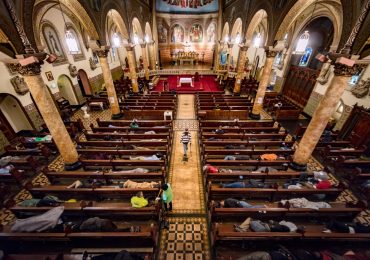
<point x="186" y="81"/>
<point x="39" y="223"/>
<point x="292" y="227"/>
<point x="306" y="204"/>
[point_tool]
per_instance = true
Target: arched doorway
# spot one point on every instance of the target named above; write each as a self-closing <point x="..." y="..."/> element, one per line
<point x="13" y="117"/>
<point x="66" y="89"/>
<point x="84" y="83"/>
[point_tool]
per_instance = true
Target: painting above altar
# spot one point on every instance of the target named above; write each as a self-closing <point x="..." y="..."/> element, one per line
<point x="187" y="6"/>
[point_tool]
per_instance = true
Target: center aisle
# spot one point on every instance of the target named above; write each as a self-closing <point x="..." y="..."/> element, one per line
<point x="187" y="237"/>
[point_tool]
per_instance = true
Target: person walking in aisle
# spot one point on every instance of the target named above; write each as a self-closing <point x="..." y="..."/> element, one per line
<point x="185" y="140"/>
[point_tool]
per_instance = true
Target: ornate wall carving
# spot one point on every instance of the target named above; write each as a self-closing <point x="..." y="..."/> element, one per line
<point x="34" y="116"/>
<point x="312" y="103"/>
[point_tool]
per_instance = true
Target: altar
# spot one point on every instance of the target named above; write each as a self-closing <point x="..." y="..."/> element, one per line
<point x="185" y="82"/>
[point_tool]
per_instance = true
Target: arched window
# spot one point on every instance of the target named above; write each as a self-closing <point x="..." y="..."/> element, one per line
<point x="355" y="78"/>
<point x="306" y="57"/>
<point x="73" y="44"/>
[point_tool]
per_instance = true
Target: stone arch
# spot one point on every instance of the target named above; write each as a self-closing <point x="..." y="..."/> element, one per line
<point x="260" y="19"/>
<point x="301" y="14"/>
<point x="237" y="28"/>
<point x="225" y="31"/>
<point x="136" y="28"/>
<point x="66" y="89"/>
<point x="71" y="8"/>
<point x="113" y="20"/>
<point x="15" y="113"/>
<point x="148" y="31"/>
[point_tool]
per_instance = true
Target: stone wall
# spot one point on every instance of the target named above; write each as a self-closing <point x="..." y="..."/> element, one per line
<point x="34" y="116"/>
<point x="312" y="103"/>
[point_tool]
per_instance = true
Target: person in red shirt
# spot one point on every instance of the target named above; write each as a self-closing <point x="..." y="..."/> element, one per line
<point x="323" y="184"/>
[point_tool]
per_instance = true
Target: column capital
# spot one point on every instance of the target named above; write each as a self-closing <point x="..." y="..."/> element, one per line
<point x="102" y="53"/>
<point x="270" y="53"/>
<point x="143" y="45"/>
<point x="244" y="48"/>
<point x="129" y="47"/>
<point x="29" y="70"/>
<point x="345" y="70"/>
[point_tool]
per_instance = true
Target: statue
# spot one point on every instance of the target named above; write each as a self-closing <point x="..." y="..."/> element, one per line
<point x="92" y="64"/>
<point x="361" y="89"/>
<point x="20" y="86"/>
<point x="324" y="73"/>
<point x="72" y="70"/>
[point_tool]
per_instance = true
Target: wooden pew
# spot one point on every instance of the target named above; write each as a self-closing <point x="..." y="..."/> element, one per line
<point x="244" y="136"/>
<point x="120" y="164"/>
<point x="153" y="174"/>
<point x="142" y="123"/>
<point x="240" y="123"/>
<point x="216" y="192"/>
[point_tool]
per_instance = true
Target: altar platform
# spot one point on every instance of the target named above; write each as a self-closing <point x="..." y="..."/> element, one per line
<point x="206" y="83"/>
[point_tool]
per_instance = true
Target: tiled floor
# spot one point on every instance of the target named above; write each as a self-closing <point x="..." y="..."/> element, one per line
<point x="187" y="237"/>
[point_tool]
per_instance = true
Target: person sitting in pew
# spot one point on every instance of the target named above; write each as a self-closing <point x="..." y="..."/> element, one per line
<point x="134" y="124"/>
<point x="234" y="203"/>
<point x="140" y="185"/>
<point x="138" y="201"/>
<point x="246" y="184"/>
<point x="94" y="183"/>
<point x="219" y="130"/>
<point x="342" y="227"/>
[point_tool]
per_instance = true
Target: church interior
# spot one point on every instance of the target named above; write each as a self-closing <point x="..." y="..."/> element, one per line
<point x="185" y="129"/>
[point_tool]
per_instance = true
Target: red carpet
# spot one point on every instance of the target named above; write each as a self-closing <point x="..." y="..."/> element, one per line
<point x="205" y="83"/>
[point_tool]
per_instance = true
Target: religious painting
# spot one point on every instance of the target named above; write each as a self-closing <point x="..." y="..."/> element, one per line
<point x="187" y="6"/>
<point x="177" y="34"/>
<point x="162" y="33"/>
<point x="196" y="33"/>
<point x="53" y="43"/>
<point x="211" y="33"/>
<point x="49" y="75"/>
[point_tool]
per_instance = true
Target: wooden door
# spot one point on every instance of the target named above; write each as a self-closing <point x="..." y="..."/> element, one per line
<point x="6" y="128"/>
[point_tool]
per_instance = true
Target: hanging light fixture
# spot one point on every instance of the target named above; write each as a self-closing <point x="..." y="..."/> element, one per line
<point x="257" y="41"/>
<point x="237" y="38"/>
<point x="136" y="39"/>
<point x="305" y="37"/>
<point x="226" y="39"/>
<point x="70" y="37"/>
<point x="116" y="40"/>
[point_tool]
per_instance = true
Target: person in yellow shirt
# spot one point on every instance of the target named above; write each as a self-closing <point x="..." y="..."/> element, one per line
<point x="139" y="201"/>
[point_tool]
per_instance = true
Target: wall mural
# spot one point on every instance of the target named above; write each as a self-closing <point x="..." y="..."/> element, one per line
<point x="196" y="33"/>
<point x="187" y="6"/>
<point x="162" y="33"/>
<point x="187" y="34"/>
<point x="53" y="43"/>
<point x="211" y="33"/>
<point x="177" y="34"/>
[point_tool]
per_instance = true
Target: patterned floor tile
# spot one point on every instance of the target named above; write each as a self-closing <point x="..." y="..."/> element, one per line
<point x="186" y="238"/>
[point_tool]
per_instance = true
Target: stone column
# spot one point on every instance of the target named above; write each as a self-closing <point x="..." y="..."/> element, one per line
<point x="321" y="116"/>
<point x="241" y="66"/>
<point x="50" y="114"/>
<point x="152" y="55"/>
<point x="108" y="80"/>
<point x="264" y="82"/>
<point x="132" y="65"/>
<point x="145" y="60"/>
<point x="217" y="57"/>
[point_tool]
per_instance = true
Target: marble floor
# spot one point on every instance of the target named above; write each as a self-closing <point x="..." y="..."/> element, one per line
<point x="187" y="236"/>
